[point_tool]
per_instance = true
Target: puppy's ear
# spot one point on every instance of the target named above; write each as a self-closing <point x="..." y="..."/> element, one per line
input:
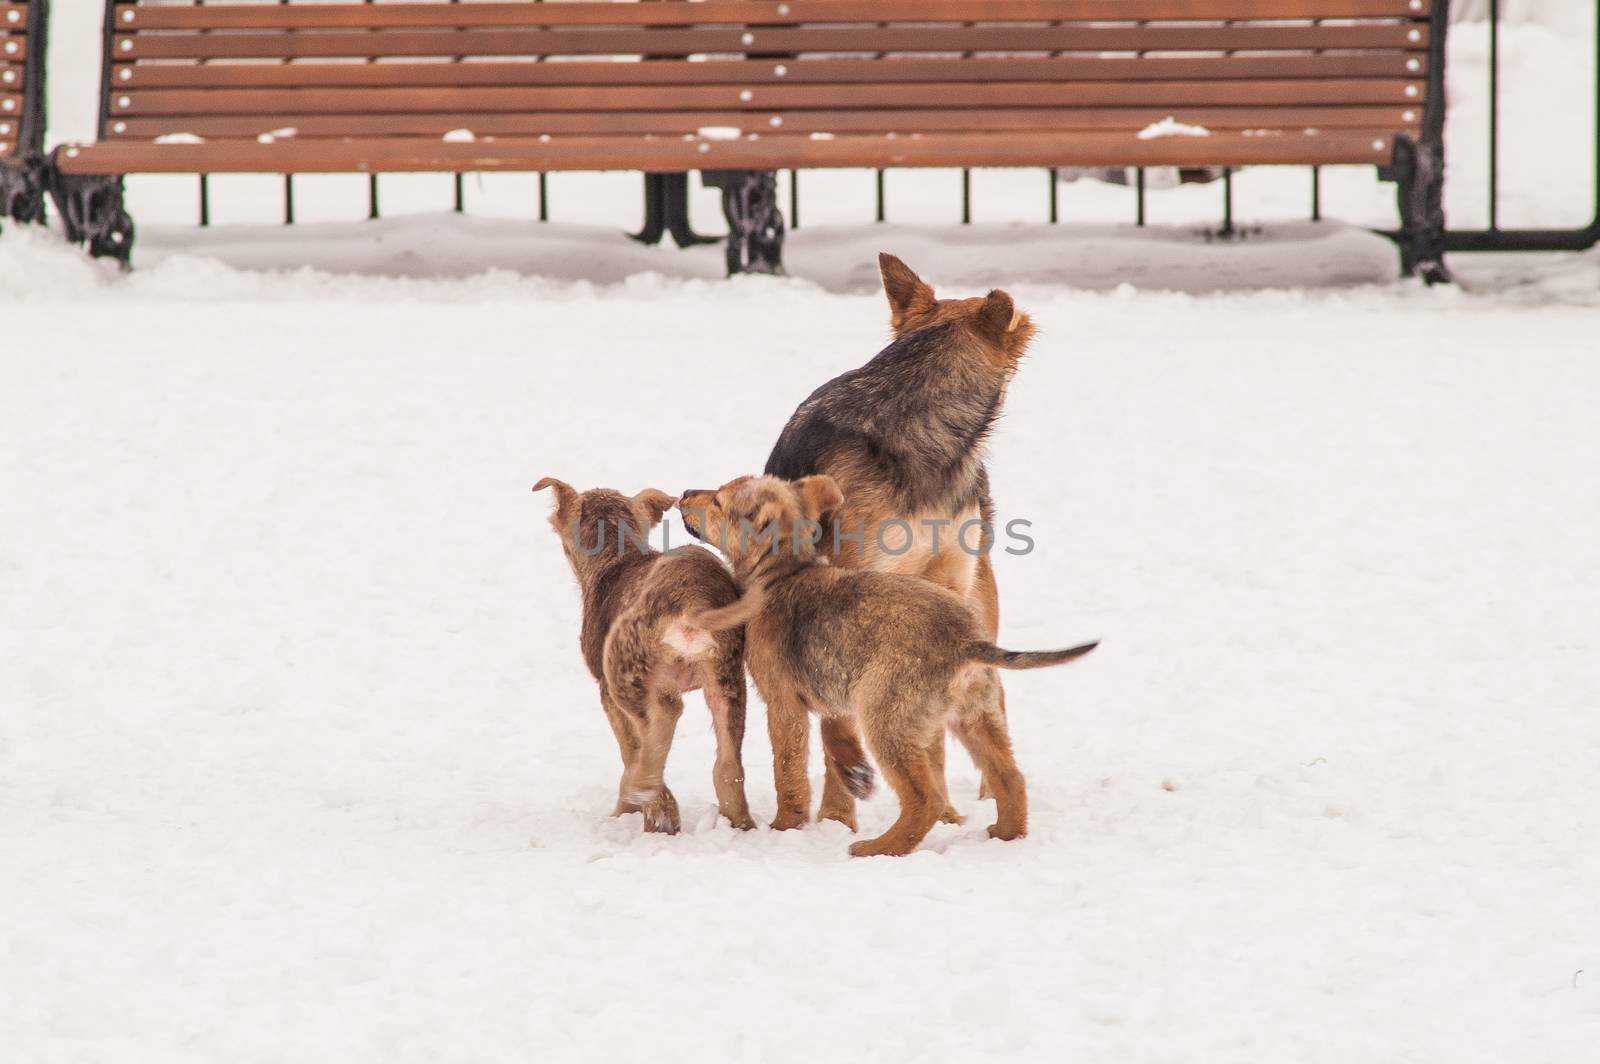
<point x="655" y="503"/>
<point x="818" y="495"/>
<point x="909" y="297"/>
<point x="565" y="495"/>
<point x="998" y="315"/>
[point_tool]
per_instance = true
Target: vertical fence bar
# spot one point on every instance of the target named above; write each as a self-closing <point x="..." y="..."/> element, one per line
<point x="1494" y="114"/>
<point x="794" y="199"/>
<point x="966" y="196"/>
<point x="1055" y="213"/>
<point x="288" y="199"/>
<point x="544" y="198"/>
<point x="1138" y="199"/>
<point x="1227" y="201"/>
<point x="372" y="197"/>
<point x="205" y="201"/>
<point x="1316" y="193"/>
<point x="461" y="193"/>
<point x="880" y="214"/>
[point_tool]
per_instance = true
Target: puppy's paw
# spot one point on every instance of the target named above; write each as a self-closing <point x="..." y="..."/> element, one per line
<point x="660" y="813"/>
<point x="1006" y="833"/>
<point x="841" y="815"/>
<point x="950" y="816"/>
<point x="788" y="820"/>
<point x="858" y="779"/>
<point x="742" y="822"/>
<point x="882" y="846"/>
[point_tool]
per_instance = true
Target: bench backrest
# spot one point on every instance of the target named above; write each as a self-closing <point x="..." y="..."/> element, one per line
<point x="22" y="38"/>
<point x="408" y="69"/>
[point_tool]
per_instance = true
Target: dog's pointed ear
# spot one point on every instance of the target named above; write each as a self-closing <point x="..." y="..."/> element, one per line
<point x="909" y="296"/>
<point x="655" y="503"/>
<point x="818" y="495"/>
<point x="999" y="314"/>
<point x="565" y="495"/>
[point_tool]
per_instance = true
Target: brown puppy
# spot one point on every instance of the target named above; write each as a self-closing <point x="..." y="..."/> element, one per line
<point x="642" y="653"/>
<point x="904" y="438"/>
<point x="896" y="653"/>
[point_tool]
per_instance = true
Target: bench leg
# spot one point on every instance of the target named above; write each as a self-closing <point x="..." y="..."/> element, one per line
<point x="1419" y="176"/>
<point x="666" y="210"/>
<point x="22" y="184"/>
<point x="91" y="212"/>
<point x="755" y="225"/>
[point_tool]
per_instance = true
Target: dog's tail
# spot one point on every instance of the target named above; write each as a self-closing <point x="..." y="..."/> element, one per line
<point x="986" y="653"/>
<point x="735" y="613"/>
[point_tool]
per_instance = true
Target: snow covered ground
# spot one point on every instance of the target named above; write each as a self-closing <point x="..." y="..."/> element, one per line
<point x="298" y="760"/>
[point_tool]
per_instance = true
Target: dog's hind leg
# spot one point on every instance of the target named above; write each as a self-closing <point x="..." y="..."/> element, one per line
<point x="656" y="716"/>
<point x="905" y="764"/>
<point x="627" y="745"/>
<point x="936" y="759"/>
<point x="985" y="598"/>
<point x="725" y="697"/>
<point x="789" y="727"/>
<point x="985" y="736"/>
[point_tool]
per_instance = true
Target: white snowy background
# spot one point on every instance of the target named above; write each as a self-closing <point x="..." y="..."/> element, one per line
<point x="298" y="759"/>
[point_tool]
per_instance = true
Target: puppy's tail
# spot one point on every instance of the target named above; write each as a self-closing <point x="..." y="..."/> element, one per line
<point x="985" y="653"/>
<point x="844" y="750"/>
<point x="738" y="612"/>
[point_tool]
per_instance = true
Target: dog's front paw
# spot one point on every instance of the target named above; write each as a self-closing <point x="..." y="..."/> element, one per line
<point x="950" y="816"/>
<point x="742" y="822"/>
<point x="1007" y="832"/>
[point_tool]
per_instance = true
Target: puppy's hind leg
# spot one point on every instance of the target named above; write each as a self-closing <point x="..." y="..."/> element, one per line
<point x="725" y="697"/>
<point x="627" y="745"/>
<point x="985" y="736"/>
<point x="905" y="764"/>
<point x="789" y="728"/>
<point x="656" y="716"/>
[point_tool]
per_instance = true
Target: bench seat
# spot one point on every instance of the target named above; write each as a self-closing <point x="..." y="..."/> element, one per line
<point x="767" y="152"/>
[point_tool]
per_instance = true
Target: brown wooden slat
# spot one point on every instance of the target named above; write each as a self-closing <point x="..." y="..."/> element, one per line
<point x="12" y="15"/>
<point x="11" y="76"/>
<point x="1263" y="94"/>
<point x="687" y="41"/>
<point x="762" y="71"/>
<point x="738" y="12"/>
<point x="676" y="155"/>
<point x="10" y="106"/>
<point x="14" y="47"/>
<point x="680" y="122"/>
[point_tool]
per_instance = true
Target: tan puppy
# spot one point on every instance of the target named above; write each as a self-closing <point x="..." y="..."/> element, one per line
<point x="642" y="653"/>
<point x="896" y="653"/>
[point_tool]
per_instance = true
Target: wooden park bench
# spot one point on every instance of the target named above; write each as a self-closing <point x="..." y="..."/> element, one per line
<point x="740" y="88"/>
<point x="22" y="165"/>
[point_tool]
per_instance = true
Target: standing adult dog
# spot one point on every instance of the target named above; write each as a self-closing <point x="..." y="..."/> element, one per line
<point x="903" y="436"/>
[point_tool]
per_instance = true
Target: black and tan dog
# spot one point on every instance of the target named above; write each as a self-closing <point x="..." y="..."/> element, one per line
<point x="903" y="436"/>
<point x="642" y="653"/>
<point x="898" y="654"/>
